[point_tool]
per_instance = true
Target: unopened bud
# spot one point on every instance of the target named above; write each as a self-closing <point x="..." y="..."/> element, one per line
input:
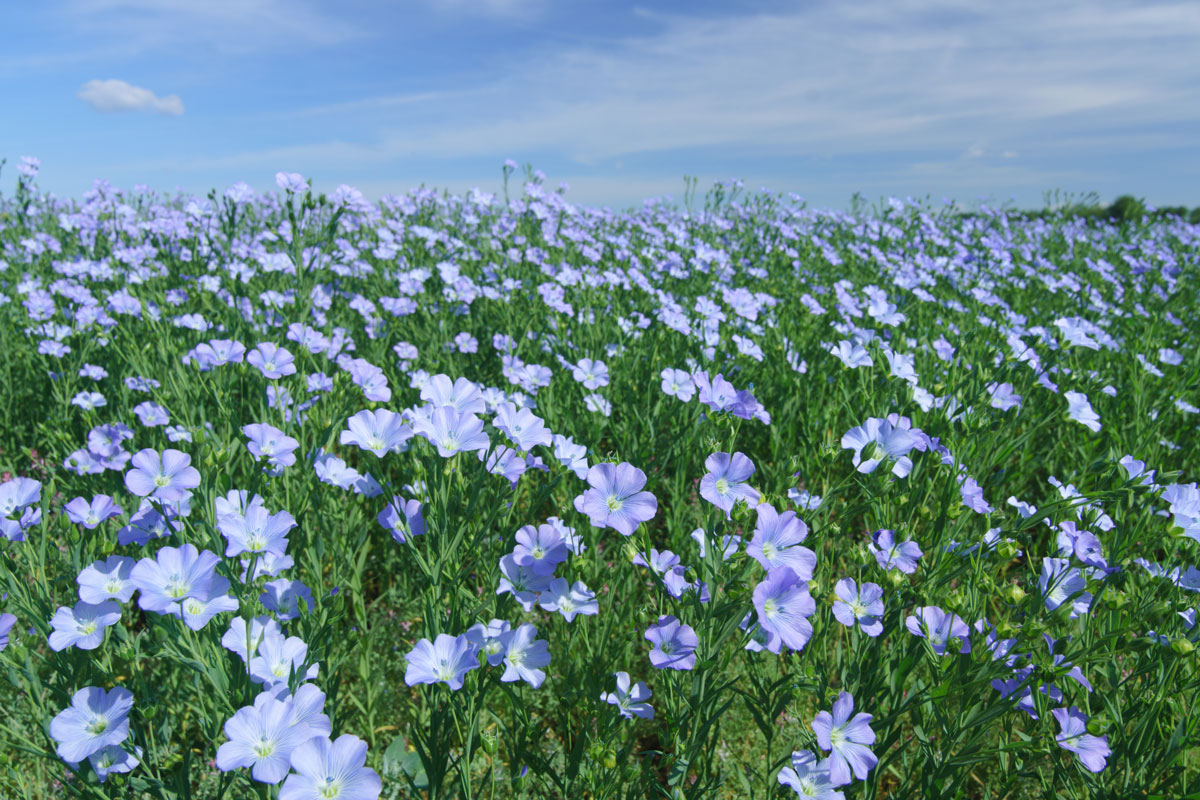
<point x="1182" y="646"/>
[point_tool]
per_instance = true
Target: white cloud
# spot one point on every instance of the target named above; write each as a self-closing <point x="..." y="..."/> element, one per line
<point x="112" y="96"/>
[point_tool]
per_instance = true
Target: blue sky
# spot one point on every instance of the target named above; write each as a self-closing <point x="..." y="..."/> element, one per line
<point x="941" y="99"/>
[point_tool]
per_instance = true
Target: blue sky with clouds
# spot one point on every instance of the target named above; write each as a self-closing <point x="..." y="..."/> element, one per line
<point x="948" y="99"/>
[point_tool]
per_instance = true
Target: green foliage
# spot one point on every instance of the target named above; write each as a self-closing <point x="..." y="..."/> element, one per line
<point x="1001" y="286"/>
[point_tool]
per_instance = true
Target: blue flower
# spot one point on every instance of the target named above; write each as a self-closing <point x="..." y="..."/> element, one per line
<point x="540" y="549"/>
<point x="862" y="605"/>
<point x="809" y="777"/>
<point x="94" y="720"/>
<point x="674" y="644"/>
<point x="267" y="441"/>
<point x="452" y="432"/>
<point x="847" y="739"/>
<point x="262" y="737"/>
<point x="165" y="477"/>
<point x="378" y="432"/>
<point x="245" y="643"/>
<point x="83" y="626"/>
<point x="174" y="574"/>
<point x="678" y="383"/>
<point x="521" y="581"/>
<point x="878" y="440"/>
<point x="106" y="580"/>
<point x="283" y="596"/>
<point x="521" y="427"/>
<point x="569" y="600"/>
<point x="524" y="656"/>
<point x="1061" y="583"/>
<point x="6" y="625"/>
<point x="784" y="606"/>
<point x="463" y="395"/>
<point x="776" y="542"/>
<point x="615" y="499"/>
<point x="403" y="518"/>
<point x="1092" y="750"/>
<point x="278" y="659"/>
<point x="725" y="483"/>
<point x="271" y="360"/>
<point x="113" y="759"/>
<point x="256" y="531"/>
<point x="890" y="554"/>
<point x="336" y="770"/>
<point x="447" y="660"/>
<point x="939" y="627"/>
<point x="630" y="701"/>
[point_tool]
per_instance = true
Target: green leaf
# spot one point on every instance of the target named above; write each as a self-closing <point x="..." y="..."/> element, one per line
<point x="395" y="753"/>
<point x="412" y="767"/>
<point x="678" y="772"/>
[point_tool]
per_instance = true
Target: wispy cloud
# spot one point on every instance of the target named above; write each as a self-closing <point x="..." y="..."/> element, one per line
<point x="112" y="96"/>
<point x="226" y="26"/>
<point x="826" y="97"/>
<point x="510" y="9"/>
<point x="373" y="104"/>
<point x="828" y="79"/>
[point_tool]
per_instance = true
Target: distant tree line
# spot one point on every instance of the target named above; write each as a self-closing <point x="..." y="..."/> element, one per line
<point x="1125" y="209"/>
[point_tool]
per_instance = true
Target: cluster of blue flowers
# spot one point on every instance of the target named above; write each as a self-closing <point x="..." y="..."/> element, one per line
<point x="820" y="543"/>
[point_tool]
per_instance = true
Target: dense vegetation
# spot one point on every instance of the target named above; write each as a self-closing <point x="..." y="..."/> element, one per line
<point x="458" y="496"/>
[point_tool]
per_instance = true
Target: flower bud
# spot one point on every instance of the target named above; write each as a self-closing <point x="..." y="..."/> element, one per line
<point x="1182" y="646"/>
<point x="1007" y="550"/>
<point x="1014" y="594"/>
